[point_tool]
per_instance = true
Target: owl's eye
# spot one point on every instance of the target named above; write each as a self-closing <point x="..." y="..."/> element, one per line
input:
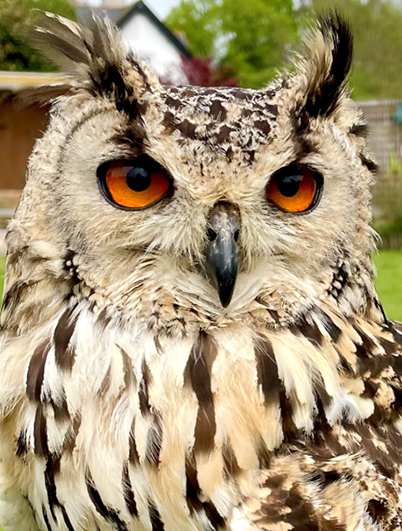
<point x="295" y="189"/>
<point x="134" y="185"/>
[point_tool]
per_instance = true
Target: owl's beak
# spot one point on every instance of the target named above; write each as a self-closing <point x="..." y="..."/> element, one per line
<point x="222" y="251"/>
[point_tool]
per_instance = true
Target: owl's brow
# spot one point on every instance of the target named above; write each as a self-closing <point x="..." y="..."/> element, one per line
<point x="132" y="137"/>
<point x="77" y="126"/>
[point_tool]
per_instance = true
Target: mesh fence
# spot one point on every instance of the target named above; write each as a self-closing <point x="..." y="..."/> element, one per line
<point x="385" y="142"/>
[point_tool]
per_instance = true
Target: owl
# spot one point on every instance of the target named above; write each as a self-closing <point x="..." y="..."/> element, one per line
<point x="191" y="339"/>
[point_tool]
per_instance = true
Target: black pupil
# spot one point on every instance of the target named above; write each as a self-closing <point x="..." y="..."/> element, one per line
<point x="289" y="185"/>
<point x="138" y="179"/>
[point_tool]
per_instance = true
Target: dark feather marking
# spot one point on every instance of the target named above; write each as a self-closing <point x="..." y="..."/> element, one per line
<point x="263" y="454"/>
<point x="129" y="376"/>
<point x="224" y="134"/>
<point x="333" y="330"/>
<point x="36" y="371"/>
<point x="231" y="465"/>
<point x="377" y="510"/>
<point x="187" y="129"/>
<point x="109" y="514"/>
<point x="40" y="433"/>
<point x="143" y="390"/>
<point x="263" y="126"/>
<point x="66" y="518"/>
<point x="267" y="370"/>
<point x="60" y="409"/>
<point x="133" y="137"/>
<point x="157" y="341"/>
<point x="22" y="446"/>
<point x="93" y="48"/>
<point x="52" y="468"/>
<point x="310" y="331"/>
<point x="289" y="505"/>
<point x="217" y="521"/>
<point x="360" y="130"/>
<point x="324" y="92"/>
<point x="367" y="361"/>
<point x="396" y="330"/>
<point x="369" y="163"/>
<point x="156" y="522"/>
<point x="15" y="294"/>
<point x="134" y="458"/>
<point x="370" y="389"/>
<point x="325" y="443"/>
<point x="193" y="494"/>
<point x="198" y="374"/>
<point x="154" y="441"/>
<point x="173" y="102"/>
<point x="288" y="426"/>
<point x="46" y="519"/>
<point x="70" y="439"/>
<point x="128" y="492"/>
<point x="218" y="111"/>
<point x="321" y="391"/>
<point x="62" y="336"/>
<point x="192" y="487"/>
<point x="386" y="462"/>
<point x="378" y="305"/>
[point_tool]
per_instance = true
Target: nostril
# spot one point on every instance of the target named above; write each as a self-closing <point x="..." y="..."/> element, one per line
<point x="236" y="235"/>
<point x="211" y="235"/>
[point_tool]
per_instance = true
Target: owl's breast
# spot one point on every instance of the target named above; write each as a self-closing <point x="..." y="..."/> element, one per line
<point x="117" y="427"/>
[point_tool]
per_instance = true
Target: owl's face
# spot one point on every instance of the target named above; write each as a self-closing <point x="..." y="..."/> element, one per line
<point x="219" y="202"/>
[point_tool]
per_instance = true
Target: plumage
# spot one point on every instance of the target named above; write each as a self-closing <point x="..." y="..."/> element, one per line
<point x="138" y="391"/>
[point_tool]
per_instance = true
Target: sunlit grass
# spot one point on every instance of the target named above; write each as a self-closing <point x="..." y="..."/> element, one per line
<point x="389" y="282"/>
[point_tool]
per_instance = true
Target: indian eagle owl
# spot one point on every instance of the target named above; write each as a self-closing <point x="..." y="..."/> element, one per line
<point x="191" y="338"/>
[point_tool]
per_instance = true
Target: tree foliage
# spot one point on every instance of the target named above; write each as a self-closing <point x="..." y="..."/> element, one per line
<point x="17" y="18"/>
<point x="377" y="31"/>
<point x="251" y="38"/>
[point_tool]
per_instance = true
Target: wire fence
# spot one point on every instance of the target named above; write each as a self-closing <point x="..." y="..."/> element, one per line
<point x="385" y="141"/>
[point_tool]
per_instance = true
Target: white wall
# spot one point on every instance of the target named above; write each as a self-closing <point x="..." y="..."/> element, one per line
<point x="149" y="42"/>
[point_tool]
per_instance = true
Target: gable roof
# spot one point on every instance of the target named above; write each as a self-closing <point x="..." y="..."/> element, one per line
<point x="120" y="16"/>
<point x="141" y="7"/>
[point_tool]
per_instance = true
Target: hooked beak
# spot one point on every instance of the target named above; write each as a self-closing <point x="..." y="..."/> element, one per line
<point x="221" y="254"/>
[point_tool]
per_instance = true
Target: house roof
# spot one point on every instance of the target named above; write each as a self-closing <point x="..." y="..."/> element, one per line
<point x="121" y="16"/>
<point x="14" y="81"/>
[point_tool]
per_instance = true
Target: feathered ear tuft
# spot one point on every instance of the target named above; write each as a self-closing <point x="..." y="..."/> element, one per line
<point x="326" y="66"/>
<point x="95" y="59"/>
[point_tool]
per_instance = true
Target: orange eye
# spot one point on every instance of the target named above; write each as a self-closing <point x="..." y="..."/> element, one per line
<point x="295" y="189"/>
<point x="134" y="185"/>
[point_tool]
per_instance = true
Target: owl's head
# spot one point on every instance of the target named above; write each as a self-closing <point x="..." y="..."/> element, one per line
<point x="196" y="204"/>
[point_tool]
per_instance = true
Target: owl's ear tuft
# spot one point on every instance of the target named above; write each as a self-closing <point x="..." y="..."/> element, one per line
<point x="95" y="59"/>
<point x="325" y="67"/>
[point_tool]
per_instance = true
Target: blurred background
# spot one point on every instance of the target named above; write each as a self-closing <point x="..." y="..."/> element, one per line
<point x="215" y="43"/>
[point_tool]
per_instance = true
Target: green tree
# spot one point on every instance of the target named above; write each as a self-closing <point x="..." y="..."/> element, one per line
<point x="17" y="18"/>
<point x="377" y="31"/>
<point x="252" y="38"/>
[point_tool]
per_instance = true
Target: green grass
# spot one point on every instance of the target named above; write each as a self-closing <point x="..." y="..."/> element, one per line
<point x="389" y="282"/>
